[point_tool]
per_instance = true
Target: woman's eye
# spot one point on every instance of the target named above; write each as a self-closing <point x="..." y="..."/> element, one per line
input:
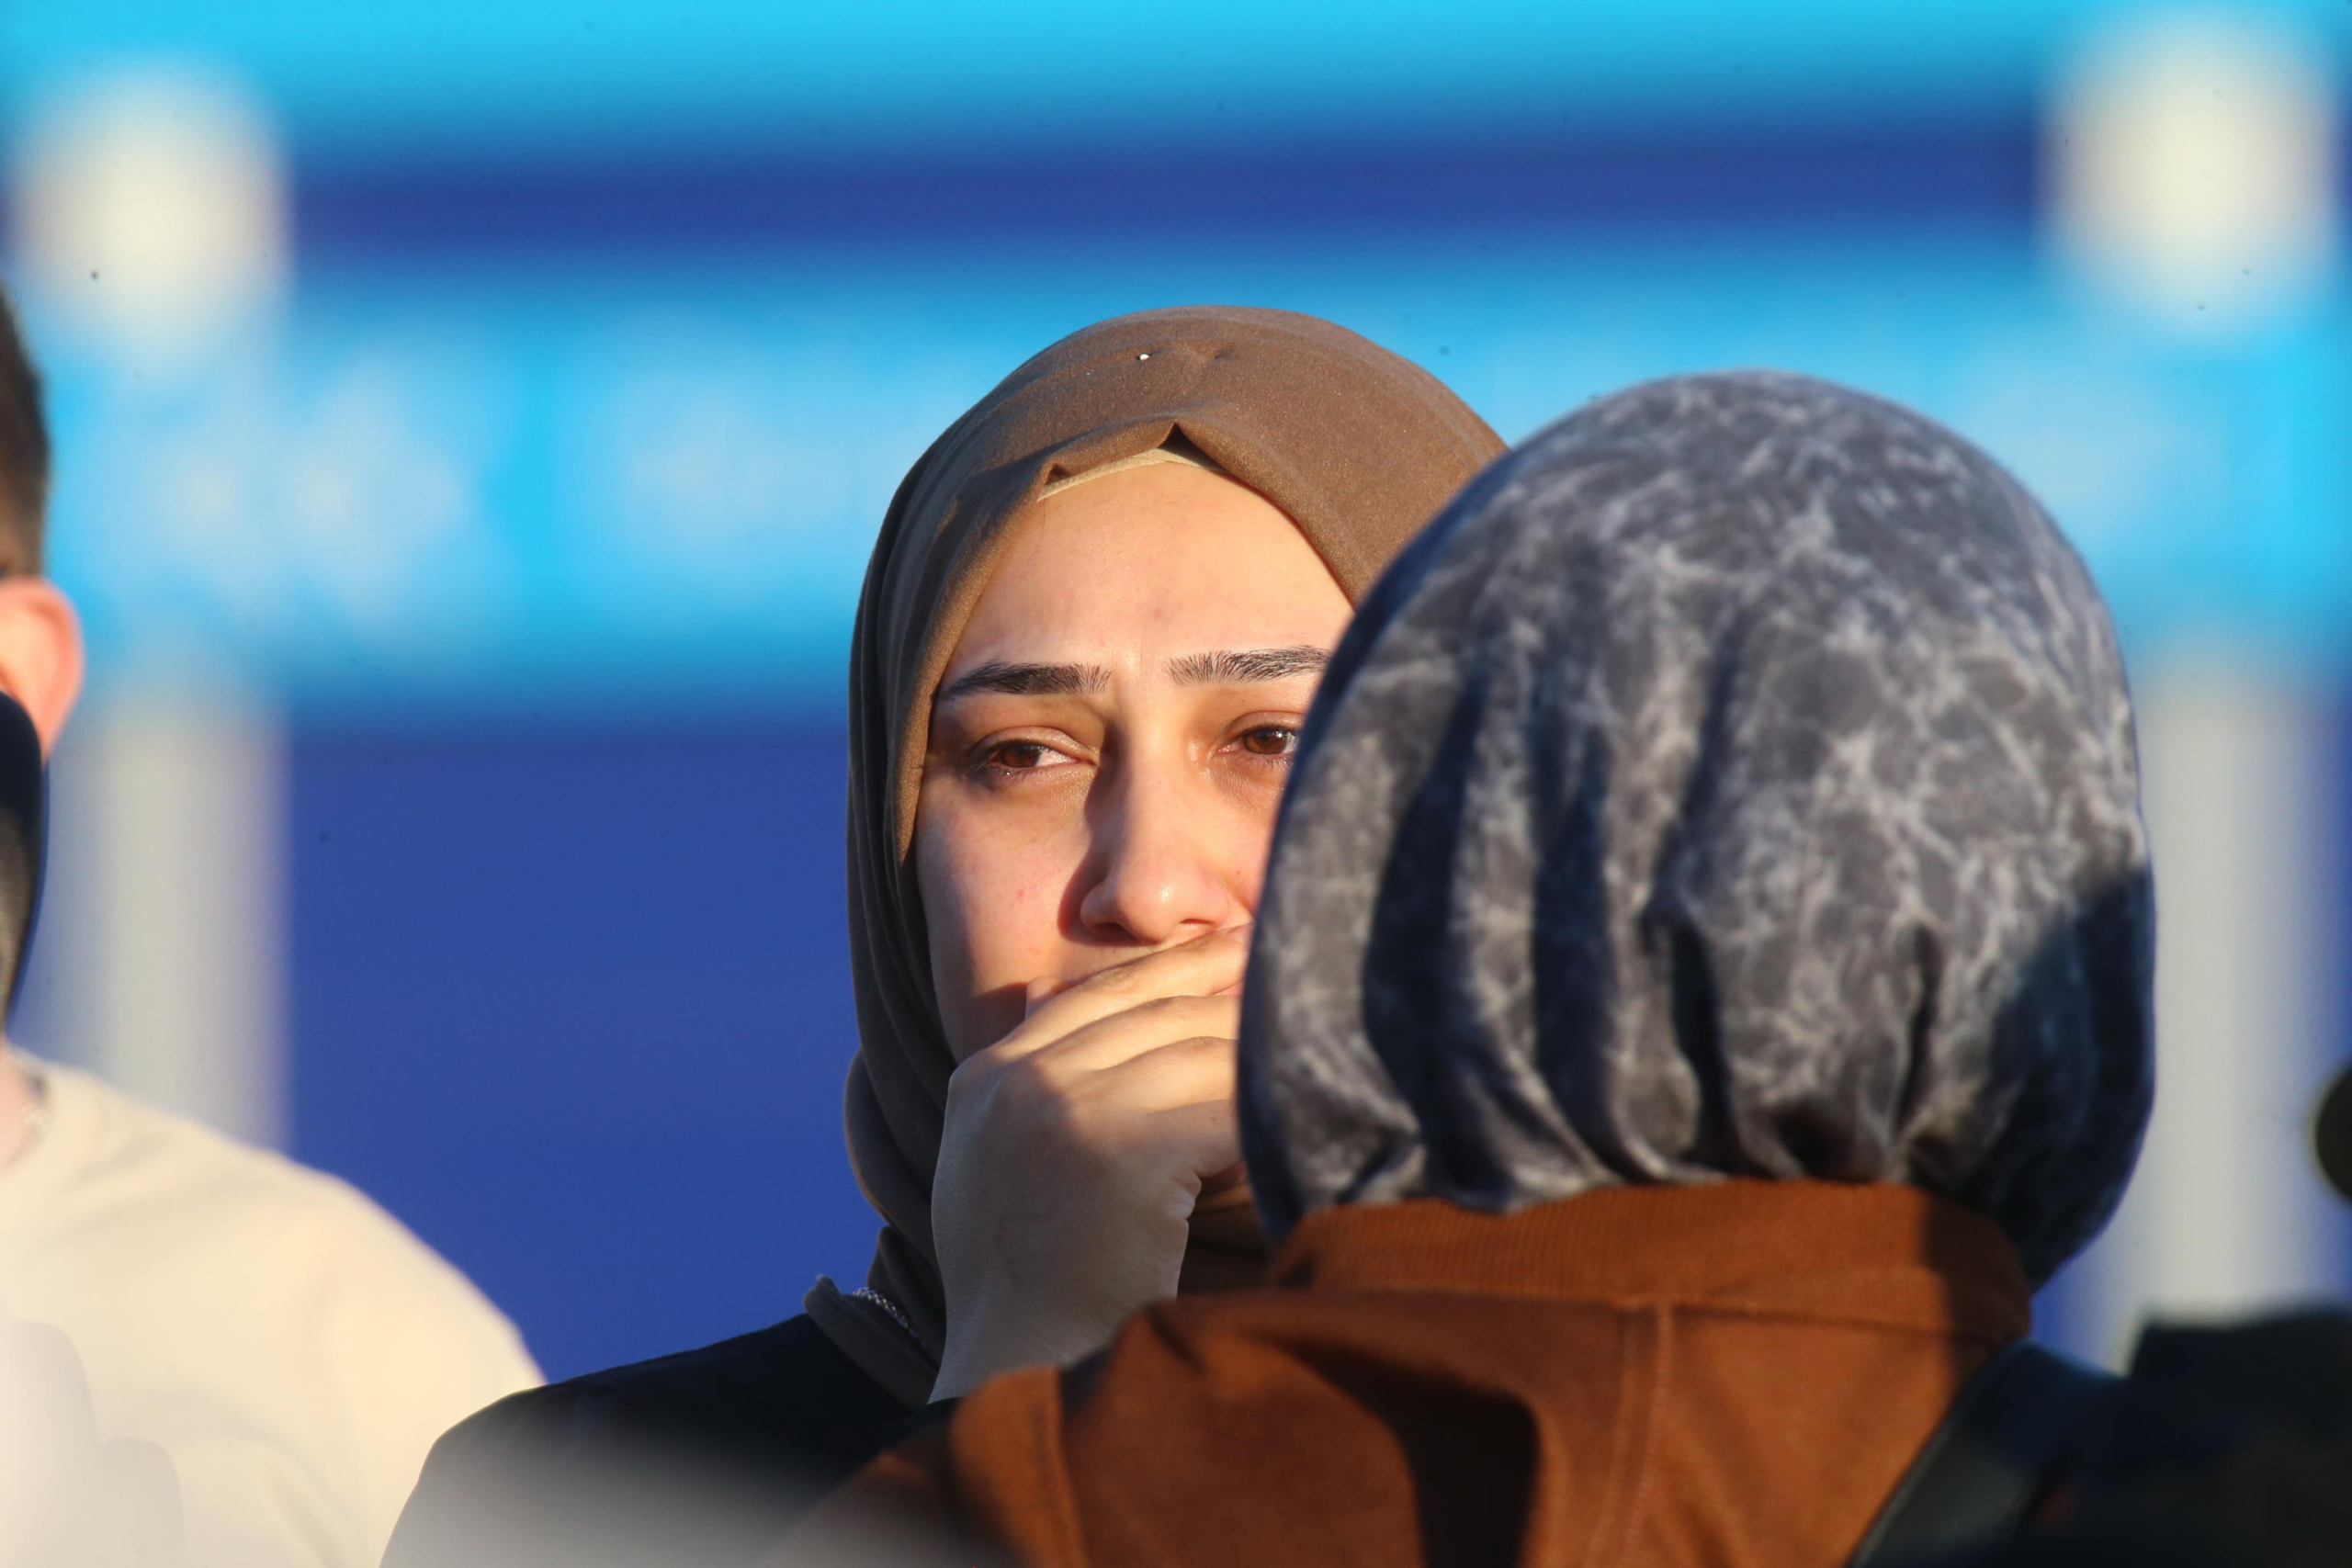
<point x="1271" y="740"/>
<point x="1022" y="756"/>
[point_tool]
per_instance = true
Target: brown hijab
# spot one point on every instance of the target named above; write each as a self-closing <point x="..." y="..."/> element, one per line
<point x="1357" y="446"/>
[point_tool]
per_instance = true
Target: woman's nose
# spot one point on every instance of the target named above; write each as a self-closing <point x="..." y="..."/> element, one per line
<point x="1161" y="872"/>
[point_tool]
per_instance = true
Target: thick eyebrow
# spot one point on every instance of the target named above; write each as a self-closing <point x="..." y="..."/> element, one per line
<point x="1027" y="680"/>
<point x="1242" y="667"/>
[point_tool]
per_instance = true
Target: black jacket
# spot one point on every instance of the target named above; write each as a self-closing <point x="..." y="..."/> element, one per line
<point x="704" y="1458"/>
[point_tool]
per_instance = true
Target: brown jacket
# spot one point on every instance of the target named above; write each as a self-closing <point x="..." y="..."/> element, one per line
<point x="1727" y="1375"/>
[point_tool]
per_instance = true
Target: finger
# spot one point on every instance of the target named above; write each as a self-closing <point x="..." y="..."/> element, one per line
<point x="1112" y="1042"/>
<point x="1046" y="988"/>
<point x="1173" y="1076"/>
<point x="1086" y="1074"/>
<point x="1042" y="990"/>
<point x="1229" y="1187"/>
<point x="1196" y="969"/>
<point x="1196" y="1142"/>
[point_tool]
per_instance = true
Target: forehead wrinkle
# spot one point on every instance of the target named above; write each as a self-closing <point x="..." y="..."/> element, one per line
<point x="1011" y="680"/>
<point x="1242" y="667"/>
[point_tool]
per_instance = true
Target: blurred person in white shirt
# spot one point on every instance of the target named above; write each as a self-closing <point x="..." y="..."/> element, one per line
<point x="290" y="1347"/>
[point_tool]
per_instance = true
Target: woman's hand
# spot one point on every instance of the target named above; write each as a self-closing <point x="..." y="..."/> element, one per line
<point x="1075" y="1150"/>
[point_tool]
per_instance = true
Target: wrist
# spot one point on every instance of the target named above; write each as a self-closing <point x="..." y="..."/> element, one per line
<point x="986" y="1342"/>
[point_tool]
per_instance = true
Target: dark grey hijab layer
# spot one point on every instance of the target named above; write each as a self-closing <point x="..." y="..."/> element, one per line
<point x="1737" y="780"/>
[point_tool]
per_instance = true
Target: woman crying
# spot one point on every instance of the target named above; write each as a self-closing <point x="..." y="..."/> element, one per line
<point x="1098" y="610"/>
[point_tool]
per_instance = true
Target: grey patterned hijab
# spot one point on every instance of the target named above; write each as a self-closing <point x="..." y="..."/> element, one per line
<point x="1736" y="780"/>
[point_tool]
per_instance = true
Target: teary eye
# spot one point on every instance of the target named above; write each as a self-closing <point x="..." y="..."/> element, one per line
<point x="1022" y="755"/>
<point x="1271" y="740"/>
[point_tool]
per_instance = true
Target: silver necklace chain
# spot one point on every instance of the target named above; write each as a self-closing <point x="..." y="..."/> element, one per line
<point x="868" y="1293"/>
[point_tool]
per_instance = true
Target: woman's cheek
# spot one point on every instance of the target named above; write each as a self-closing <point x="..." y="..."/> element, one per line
<point x="1245" y="828"/>
<point x="1022" y="881"/>
<point x="993" y="893"/>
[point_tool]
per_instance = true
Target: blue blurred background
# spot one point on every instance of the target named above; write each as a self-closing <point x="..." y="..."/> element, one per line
<point x="473" y="420"/>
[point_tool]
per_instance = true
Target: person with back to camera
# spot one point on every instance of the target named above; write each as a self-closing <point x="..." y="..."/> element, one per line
<point x="1703" y="987"/>
<point x="260" y="1335"/>
<point x="1095" y="616"/>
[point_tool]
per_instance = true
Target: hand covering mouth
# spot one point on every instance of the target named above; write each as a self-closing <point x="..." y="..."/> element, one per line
<point x="1356" y="446"/>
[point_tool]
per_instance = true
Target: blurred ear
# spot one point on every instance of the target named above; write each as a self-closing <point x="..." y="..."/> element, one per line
<point x="40" y="652"/>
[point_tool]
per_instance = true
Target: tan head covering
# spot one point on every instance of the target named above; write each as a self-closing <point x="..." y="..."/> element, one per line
<point x="1357" y="446"/>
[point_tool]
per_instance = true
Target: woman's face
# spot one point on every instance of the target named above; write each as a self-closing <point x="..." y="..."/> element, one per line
<point x="1112" y="736"/>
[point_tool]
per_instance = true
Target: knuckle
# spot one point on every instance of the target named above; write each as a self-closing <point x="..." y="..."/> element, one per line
<point x="975" y="1075"/>
<point x="1120" y="982"/>
<point x="1191" y="1014"/>
<point x="1032" y="1090"/>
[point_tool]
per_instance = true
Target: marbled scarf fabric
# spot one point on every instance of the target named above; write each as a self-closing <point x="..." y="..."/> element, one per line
<point x="1737" y="780"/>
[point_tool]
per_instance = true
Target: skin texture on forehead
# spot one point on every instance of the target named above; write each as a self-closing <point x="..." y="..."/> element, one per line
<point x="1144" y="636"/>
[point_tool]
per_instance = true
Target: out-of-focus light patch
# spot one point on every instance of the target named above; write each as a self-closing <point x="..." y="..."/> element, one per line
<point x="2100" y="444"/>
<point x="2227" y="1213"/>
<point x="2193" y="167"/>
<point x="210" y="510"/>
<point x="149" y="208"/>
<point x="458" y="80"/>
<point x="549" y="484"/>
<point x="721" y="465"/>
<point x="165" y="908"/>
